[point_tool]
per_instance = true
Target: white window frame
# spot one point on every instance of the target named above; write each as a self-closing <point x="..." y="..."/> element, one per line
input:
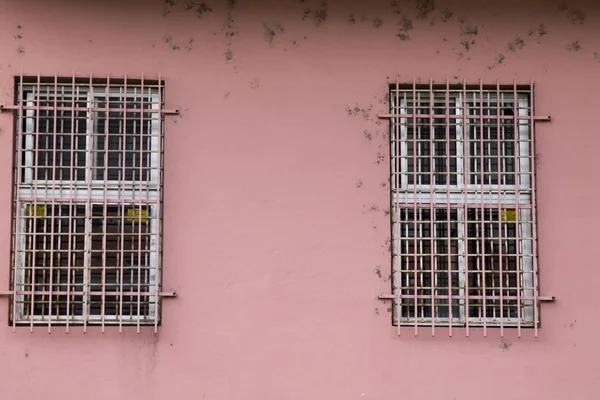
<point x="404" y="194"/>
<point x="46" y="189"/>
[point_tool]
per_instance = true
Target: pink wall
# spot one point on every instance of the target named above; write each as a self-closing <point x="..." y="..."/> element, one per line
<point x="269" y="242"/>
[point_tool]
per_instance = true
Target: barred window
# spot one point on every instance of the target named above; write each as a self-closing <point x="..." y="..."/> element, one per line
<point x="463" y="206"/>
<point x="87" y="201"/>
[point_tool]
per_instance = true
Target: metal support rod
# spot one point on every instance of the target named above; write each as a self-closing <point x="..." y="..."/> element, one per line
<point x="7" y="293"/>
<point x="394" y="296"/>
<point x="537" y="118"/>
<point x="7" y="108"/>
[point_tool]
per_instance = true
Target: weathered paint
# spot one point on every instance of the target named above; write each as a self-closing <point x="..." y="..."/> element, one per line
<point x="275" y="199"/>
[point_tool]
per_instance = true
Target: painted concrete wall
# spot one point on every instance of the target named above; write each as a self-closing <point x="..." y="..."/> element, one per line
<point x="275" y="198"/>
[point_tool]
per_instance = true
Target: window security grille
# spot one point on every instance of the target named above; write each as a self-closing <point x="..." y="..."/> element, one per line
<point x="463" y="207"/>
<point x="88" y="173"/>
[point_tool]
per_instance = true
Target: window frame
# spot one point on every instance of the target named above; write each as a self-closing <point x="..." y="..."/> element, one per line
<point x="123" y="193"/>
<point x="460" y="196"/>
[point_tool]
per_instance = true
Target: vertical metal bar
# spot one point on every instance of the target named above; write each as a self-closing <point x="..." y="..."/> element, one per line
<point x="139" y="249"/>
<point x="517" y="161"/>
<point x="105" y="199"/>
<point x="482" y="175"/>
<point x="432" y="257"/>
<point x="122" y="205"/>
<point x="414" y="118"/>
<point x="17" y="206"/>
<point x="465" y="136"/>
<point x="35" y="196"/>
<point x="73" y="177"/>
<point x="52" y="214"/>
<point x="499" y="98"/>
<point x="448" y="210"/>
<point x="396" y="209"/>
<point x="534" y="215"/>
<point x="89" y="175"/>
<point x="158" y="166"/>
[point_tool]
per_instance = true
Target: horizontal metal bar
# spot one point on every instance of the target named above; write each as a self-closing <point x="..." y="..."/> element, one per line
<point x="544" y="118"/>
<point x="80" y="200"/>
<point x="461" y="206"/>
<point x="470" y="297"/>
<point x="174" y="111"/>
<point x="5" y="293"/>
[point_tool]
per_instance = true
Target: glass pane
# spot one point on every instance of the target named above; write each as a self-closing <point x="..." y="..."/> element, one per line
<point x="123" y="142"/>
<point x="427" y="258"/>
<point x="121" y="256"/>
<point x="52" y="247"/>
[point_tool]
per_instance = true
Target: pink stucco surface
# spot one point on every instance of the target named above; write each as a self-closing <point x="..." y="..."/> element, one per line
<point x="271" y="241"/>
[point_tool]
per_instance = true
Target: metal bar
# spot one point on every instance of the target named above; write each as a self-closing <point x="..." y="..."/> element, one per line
<point x="459" y="206"/>
<point x="395" y="183"/>
<point x="122" y="209"/>
<point x="156" y="234"/>
<point x="416" y="179"/>
<point x="6" y="293"/>
<point x="448" y="209"/>
<point x="35" y="201"/>
<point x="517" y="157"/>
<point x="71" y="207"/>
<point x="139" y="283"/>
<point x="173" y="111"/>
<point x="499" y="144"/>
<point x="53" y="211"/>
<point x="433" y="258"/>
<point x="482" y="220"/>
<point x="89" y="176"/>
<point x="464" y="297"/>
<point x="534" y="218"/>
<point x="537" y="118"/>
<point x="465" y="137"/>
<point x="84" y="199"/>
<point x="104" y="205"/>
